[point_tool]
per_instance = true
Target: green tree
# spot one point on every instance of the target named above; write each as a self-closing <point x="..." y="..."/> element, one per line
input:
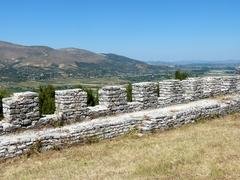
<point x="92" y="97"/>
<point x="181" y="75"/>
<point x="157" y="89"/>
<point x="129" y="92"/>
<point x="47" y="99"/>
<point x="97" y="98"/>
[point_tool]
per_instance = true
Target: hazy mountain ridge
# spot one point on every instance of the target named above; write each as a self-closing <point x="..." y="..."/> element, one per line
<point x="18" y="62"/>
<point x="39" y="55"/>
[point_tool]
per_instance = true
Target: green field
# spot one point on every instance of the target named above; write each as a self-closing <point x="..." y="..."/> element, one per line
<point x="62" y="83"/>
<point x="96" y="83"/>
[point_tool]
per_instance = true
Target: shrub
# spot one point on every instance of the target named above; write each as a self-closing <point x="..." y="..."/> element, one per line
<point x="58" y="123"/>
<point x="1" y="109"/>
<point x="92" y="97"/>
<point x="46" y="99"/>
<point x="129" y="92"/>
<point x="157" y="90"/>
<point x="35" y="148"/>
<point x="181" y="75"/>
<point x="97" y="98"/>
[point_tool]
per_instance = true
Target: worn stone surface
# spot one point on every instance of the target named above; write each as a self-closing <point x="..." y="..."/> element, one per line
<point x="211" y="86"/>
<point x="71" y="104"/>
<point x="22" y="109"/>
<point x="48" y="119"/>
<point x="146" y="94"/>
<point x="192" y="89"/>
<point x="170" y="92"/>
<point x="114" y="98"/>
<point x="229" y="84"/>
<point x="97" y="111"/>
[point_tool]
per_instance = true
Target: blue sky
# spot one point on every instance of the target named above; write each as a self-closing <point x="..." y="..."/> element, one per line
<point x="165" y="30"/>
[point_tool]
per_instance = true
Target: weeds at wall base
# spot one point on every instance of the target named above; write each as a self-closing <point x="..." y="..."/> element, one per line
<point x="58" y="123"/>
<point x="91" y="140"/>
<point x="35" y="148"/>
<point x="56" y="148"/>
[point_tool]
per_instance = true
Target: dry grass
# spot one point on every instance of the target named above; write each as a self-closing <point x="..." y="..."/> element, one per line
<point x="206" y="150"/>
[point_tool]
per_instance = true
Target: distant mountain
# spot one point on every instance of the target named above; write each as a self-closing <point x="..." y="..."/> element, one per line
<point x="18" y="62"/>
<point x="196" y="62"/>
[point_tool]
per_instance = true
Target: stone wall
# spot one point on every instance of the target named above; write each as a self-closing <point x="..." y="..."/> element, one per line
<point x="193" y="89"/>
<point x="110" y="127"/>
<point x="211" y="87"/>
<point x="170" y="92"/>
<point x="21" y="111"/>
<point x="229" y="84"/>
<point x="71" y="104"/>
<point x="114" y="98"/>
<point x="146" y="94"/>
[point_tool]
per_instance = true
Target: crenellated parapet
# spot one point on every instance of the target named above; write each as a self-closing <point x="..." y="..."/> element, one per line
<point x="177" y="103"/>
<point x="21" y="110"/>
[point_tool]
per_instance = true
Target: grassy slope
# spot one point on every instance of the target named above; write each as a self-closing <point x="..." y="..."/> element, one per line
<point x="206" y="150"/>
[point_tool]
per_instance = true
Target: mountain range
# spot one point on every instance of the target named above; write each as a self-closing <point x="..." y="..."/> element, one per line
<point x="19" y="62"/>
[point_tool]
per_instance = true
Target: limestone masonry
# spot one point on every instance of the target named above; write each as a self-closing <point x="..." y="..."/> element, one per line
<point x="22" y="126"/>
<point x="71" y="104"/>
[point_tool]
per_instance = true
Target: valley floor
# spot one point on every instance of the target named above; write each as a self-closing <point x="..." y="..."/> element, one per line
<point x="205" y="150"/>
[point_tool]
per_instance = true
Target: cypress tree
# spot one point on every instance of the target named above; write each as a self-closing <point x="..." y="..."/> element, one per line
<point x="129" y="92"/>
<point x="92" y="98"/>
<point x="46" y="99"/>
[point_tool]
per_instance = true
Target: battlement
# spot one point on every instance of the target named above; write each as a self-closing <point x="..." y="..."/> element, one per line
<point x="21" y="111"/>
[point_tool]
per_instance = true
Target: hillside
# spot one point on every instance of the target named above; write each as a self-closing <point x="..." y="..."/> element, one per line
<point x="18" y="62"/>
